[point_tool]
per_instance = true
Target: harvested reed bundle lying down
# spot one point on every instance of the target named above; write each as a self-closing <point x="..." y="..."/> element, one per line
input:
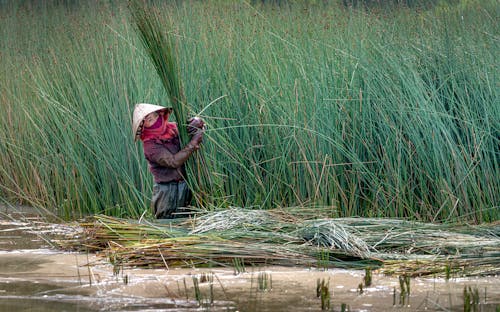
<point x="422" y="248"/>
<point x="416" y="237"/>
<point x="276" y="237"/>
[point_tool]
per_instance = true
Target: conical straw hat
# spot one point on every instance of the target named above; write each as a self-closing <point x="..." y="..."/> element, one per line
<point x="141" y="110"/>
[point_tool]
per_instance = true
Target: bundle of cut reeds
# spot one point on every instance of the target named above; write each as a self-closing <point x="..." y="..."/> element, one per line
<point x="276" y="237"/>
<point x="160" y="47"/>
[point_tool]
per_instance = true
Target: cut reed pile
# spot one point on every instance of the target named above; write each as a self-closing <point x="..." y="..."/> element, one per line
<point x="278" y="237"/>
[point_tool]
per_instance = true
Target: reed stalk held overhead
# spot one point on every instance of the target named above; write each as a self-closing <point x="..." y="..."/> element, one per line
<point x="160" y="47"/>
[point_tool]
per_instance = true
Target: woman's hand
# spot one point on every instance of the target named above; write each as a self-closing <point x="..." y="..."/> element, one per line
<point x="197" y="139"/>
<point x="195" y="124"/>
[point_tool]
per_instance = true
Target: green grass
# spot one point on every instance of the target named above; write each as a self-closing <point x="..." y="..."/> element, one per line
<point x="371" y="114"/>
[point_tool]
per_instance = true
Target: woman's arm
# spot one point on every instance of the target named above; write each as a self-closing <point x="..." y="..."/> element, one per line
<point x="162" y="156"/>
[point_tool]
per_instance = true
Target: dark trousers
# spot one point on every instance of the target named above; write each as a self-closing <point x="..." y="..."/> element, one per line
<point x="170" y="200"/>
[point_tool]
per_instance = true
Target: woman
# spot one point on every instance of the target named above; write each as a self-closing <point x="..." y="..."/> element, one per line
<point x="165" y="157"/>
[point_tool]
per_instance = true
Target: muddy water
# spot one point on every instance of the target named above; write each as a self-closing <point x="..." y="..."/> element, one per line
<point x="36" y="277"/>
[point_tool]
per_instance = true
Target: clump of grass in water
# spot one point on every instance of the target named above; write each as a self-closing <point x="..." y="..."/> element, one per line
<point x="447" y="271"/>
<point x="118" y="270"/>
<point x="265" y="281"/>
<point x="360" y="289"/>
<point x="197" y="291"/>
<point x="404" y="285"/>
<point x="323" y="292"/>
<point x="394" y="292"/>
<point x="200" y="298"/>
<point x="368" y="277"/>
<point x="471" y="299"/>
<point x="367" y="281"/>
<point x="185" y="288"/>
<point x="323" y="259"/>
<point x="238" y="266"/>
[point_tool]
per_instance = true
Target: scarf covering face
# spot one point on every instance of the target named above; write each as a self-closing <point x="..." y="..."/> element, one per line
<point x="161" y="129"/>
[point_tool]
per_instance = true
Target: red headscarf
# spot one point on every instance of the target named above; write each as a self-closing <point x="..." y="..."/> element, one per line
<point x="161" y="129"/>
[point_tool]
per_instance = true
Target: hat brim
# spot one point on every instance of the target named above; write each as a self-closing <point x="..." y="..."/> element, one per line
<point x="141" y="110"/>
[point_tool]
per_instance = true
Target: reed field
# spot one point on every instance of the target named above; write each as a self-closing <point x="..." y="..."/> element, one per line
<point x="372" y="112"/>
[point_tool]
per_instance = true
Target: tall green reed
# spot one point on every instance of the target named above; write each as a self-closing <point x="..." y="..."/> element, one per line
<point x="356" y="112"/>
<point x="67" y="133"/>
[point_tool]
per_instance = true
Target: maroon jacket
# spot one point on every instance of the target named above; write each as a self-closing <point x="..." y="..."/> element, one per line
<point x="166" y="159"/>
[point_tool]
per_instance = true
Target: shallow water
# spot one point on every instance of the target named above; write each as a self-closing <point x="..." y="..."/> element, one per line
<point x="36" y="277"/>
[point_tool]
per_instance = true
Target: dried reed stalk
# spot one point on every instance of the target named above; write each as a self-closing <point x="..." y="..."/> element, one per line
<point x="273" y="237"/>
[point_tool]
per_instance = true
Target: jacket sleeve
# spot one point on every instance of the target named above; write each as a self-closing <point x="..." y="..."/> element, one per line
<point x="162" y="156"/>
